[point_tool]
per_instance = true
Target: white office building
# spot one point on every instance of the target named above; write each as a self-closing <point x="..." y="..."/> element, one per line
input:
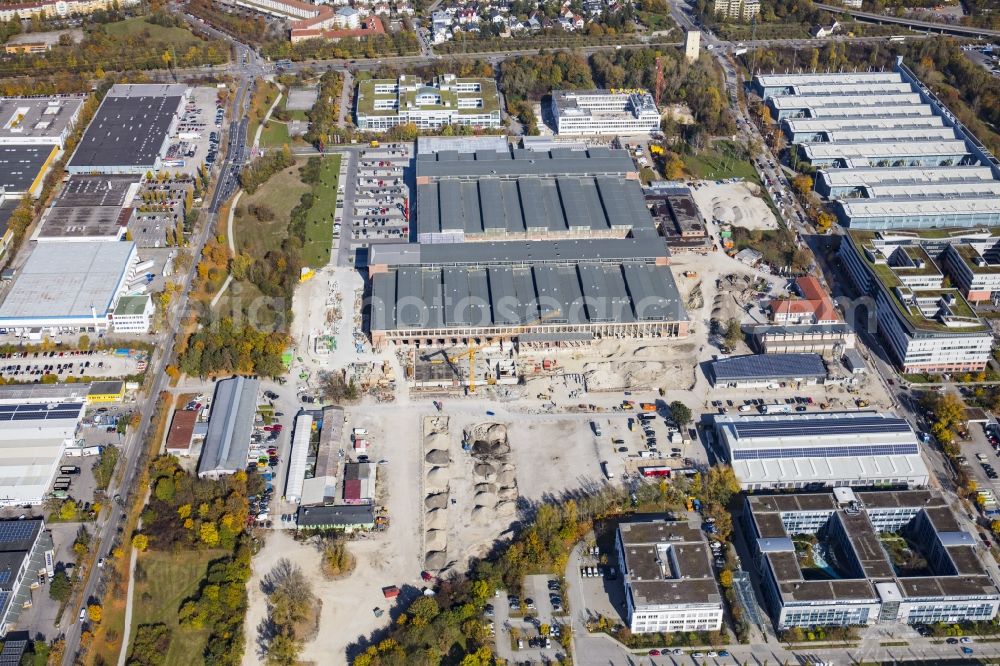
<point x="382" y="104"/>
<point x="669" y="582"/>
<point x="817" y="450"/>
<point x="927" y="327"/>
<point x="624" y="112"/>
<point x="828" y="560"/>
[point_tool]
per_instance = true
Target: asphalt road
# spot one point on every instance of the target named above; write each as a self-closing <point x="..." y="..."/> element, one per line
<point x="162" y="354"/>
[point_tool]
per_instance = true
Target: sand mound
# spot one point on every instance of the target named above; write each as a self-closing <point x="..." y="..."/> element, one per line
<point x="435" y="560"/>
<point x="436" y="440"/>
<point x="436" y="519"/>
<point x="438" y="457"/>
<point x="484" y="470"/>
<point x="485" y="488"/>
<point x="483" y="448"/>
<point x="506" y="478"/>
<point x="437" y="480"/>
<point x="483" y="499"/>
<point x="735" y="203"/>
<point x="506" y="509"/>
<point x="436" y="501"/>
<point x="436" y="540"/>
<point x="482" y="515"/>
<point x="507" y="493"/>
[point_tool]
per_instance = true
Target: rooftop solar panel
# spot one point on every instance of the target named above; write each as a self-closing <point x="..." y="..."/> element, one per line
<point x="827" y="452"/>
<point x="818" y="427"/>
<point x="18" y="530"/>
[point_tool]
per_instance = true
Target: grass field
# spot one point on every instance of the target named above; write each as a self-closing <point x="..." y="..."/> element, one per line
<point x="170" y="578"/>
<point x="274" y="135"/>
<point x="263" y="96"/>
<point x="719" y="163"/>
<point x="319" y="223"/>
<point x="178" y="37"/>
<point x="281" y="194"/>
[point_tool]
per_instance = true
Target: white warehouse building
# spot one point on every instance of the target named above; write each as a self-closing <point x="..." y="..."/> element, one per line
<point x="33" y="438"/>
<point x="821" y="450"/>
<point x="612" y="111"/>
<point x="667" y="572"/>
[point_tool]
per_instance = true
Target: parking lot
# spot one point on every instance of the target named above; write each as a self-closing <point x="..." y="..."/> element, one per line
<point x="645" y="440"/>
<point x="381" y="204"/>
<point x="196" y="140"/>
<point x="27" y="367"/>
<point x="531" y="626"/>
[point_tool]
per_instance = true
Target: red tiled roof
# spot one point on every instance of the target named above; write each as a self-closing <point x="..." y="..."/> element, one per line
<point x="181" y="429"/>
<point x="352" y="490"/>
<point x="373" y="26"/>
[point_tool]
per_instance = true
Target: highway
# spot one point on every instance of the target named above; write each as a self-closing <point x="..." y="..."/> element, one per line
<point x="913" y="24"/>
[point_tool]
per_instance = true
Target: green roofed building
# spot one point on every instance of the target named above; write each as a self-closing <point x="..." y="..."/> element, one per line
<point x="446" y="100"/>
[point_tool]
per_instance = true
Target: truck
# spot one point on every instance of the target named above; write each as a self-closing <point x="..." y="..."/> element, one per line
<point x="647" y="406"/>
<point x="777" y="409"/>
<point x="608" y="474"/>
<point x="596" y="427"/>
<point x="655" y="470"/>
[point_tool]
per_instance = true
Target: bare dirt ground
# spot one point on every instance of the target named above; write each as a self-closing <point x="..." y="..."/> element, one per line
<point x="734" y="203"/>
<point x="555" y="457"/>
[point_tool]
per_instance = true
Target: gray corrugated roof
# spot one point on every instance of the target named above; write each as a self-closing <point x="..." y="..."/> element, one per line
<point x="768" y="366"/>
<point x="530" y="203"/>
<point x="519" y="162"/>
<point x="517" y="252"/>
<point x="227" y="443"/>
<point x="569" y="292"/>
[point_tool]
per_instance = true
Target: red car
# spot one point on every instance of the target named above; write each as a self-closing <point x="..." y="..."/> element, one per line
<point x="654" y="653"/>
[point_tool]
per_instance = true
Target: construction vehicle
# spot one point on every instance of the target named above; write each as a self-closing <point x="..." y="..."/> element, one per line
<point x="374" y="144"/>
<point x="647" y="407"/>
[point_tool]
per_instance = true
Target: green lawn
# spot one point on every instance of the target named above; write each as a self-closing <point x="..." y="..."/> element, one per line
<point x="170" y="578"/>
<point x="274" y="135"/>
<point x="281" y="194"/>
<point x="178" y="37"/>
<point x="319" y="223"/>
<point x="719" y="163"/>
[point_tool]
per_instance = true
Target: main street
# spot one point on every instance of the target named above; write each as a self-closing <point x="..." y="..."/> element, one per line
<point x="162" y="355"/>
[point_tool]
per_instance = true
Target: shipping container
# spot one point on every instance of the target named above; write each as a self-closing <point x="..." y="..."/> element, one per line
<point x="69" y="469"/>
<point x="659" y="470"/>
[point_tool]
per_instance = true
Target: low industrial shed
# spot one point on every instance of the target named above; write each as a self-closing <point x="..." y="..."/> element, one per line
<point x="755" y="370"/>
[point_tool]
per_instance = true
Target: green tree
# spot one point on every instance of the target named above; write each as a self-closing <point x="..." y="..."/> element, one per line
<point x="680" y="412"/>
<point x="734" y="334"/>
<point x="61" y="586"/>
<point x="68" y="511"/>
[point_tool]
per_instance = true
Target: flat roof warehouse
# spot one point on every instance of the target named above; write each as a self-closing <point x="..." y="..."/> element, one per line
<point x="130" y="129"/>
<point x="67" y="284"/>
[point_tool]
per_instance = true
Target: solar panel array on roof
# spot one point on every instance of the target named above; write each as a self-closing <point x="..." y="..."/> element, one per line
<point x="767" y="366"/>
<point x="805" y="427"/>
<point x="13" y="650"/>
<point x="13" y="531"/>
<point x="34" y="412"/>
<point x="827" y="452"/>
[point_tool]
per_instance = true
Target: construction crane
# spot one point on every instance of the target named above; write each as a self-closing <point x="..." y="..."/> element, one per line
<point x="470" y="353"/>
<point x="474" y="349"/>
